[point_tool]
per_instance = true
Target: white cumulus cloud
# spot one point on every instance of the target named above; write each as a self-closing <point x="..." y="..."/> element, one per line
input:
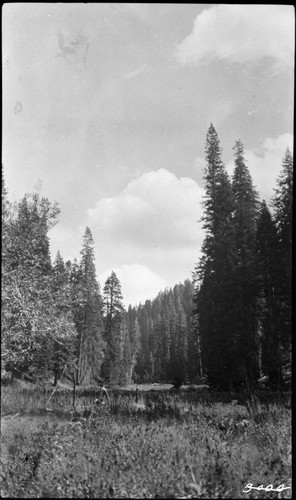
<point x="157" y="209"/>
<point x="149" y="232"/>
<point x="241" y="33"/>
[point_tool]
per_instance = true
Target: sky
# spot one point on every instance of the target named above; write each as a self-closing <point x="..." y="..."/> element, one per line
<point x="106" y="108"/>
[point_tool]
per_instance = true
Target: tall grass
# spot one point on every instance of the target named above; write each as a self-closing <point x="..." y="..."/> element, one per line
<point x="167" y="444"/>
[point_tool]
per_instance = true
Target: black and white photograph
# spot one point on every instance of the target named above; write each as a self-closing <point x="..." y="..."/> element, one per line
<point x="147" y="201"/>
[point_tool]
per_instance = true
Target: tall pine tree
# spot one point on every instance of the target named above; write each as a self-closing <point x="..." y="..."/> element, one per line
<point x="269" y="276"/>
<point x="282" y="204"/>
<point x="114" y="314"/>
<point x="65" y="339"/>
<point x="244" y="311"/>
<point x="213" y="278"/>
<point x="90" y="326"/>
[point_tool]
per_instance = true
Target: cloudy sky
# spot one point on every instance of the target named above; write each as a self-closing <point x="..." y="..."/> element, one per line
<point x="106" y="109"/>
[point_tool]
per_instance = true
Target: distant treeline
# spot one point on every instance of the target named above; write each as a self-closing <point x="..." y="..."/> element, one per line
<point x="166" y="336"/>
<point x="230" y="324"/>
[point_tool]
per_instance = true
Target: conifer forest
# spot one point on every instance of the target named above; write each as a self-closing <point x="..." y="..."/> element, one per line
<point x="229" y="323"/>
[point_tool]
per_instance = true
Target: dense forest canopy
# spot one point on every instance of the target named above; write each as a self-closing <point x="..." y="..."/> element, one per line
<point x="229" y="325"/>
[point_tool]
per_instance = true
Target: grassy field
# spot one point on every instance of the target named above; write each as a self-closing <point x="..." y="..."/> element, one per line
<point x="169" y="444"/>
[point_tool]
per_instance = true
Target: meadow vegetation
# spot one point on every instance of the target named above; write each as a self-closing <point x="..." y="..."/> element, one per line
<point x="167" y="444"/>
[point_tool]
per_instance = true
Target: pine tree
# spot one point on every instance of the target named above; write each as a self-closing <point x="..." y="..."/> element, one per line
<point x="214" y="287"/>
<point x="126" y="361"/>
<point x="77" y="296"/>
<point x="63" y="342"/>
<point x="113" y="313"/>
<point x="89" y="321"/>
<point x="60" y="275"/>
<point x="269" y="272"/>
<point x="244" y="272"/>
<point x="282" y="204"/>
<point x="132" y="342"/>
<point x="179" y="336"/>
<point x="192" y="356"/>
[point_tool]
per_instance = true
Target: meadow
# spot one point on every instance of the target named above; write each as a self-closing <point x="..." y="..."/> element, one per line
<point x="192" y="443"/>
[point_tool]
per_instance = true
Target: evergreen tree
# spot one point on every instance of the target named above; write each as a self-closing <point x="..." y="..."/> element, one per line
<point x="145" y="361"/>
<point x="193" y="355"/>
<point x="35" y="217"/>
<point x="77" y="297"/>
<point x="269" y="303"/>
<point x="60" y="275"/>
<point x="114" y="313"/>
<point x="132" y="343"/>
<point x="63" y="343"/>
<point x="90" y="320"/>
<point x="179" y="337"/>
<point x="31" y="320"/>
<point x="126" y="354"/>
<point x="282" y="204"/>
<point x="213" y="279"/>
<point x="244" y="319"/>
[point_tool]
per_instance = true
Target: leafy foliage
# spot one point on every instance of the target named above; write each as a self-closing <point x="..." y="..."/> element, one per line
<point x="32" y="320"/>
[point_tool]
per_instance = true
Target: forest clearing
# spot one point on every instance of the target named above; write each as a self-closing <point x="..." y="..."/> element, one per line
<point x="122" y="430"/>
<point x="168" y="444"/>
<point x="146" y="293"/>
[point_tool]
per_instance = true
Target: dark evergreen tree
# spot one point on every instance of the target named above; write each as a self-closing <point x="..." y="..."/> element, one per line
<point x="194" y="370"/>
<point x="243" y="312"/>
<point x="269" y="275"/>
<point x="179" y="337"/>
<point x="90" y="318"/>
<point x="213" y="274"/>
<point x="113" y="313"/>
<point x="60" y="275"/>
<point x="63" y="343"/>
<point x="282" y="204"/>
<point x="132" y="342"/>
